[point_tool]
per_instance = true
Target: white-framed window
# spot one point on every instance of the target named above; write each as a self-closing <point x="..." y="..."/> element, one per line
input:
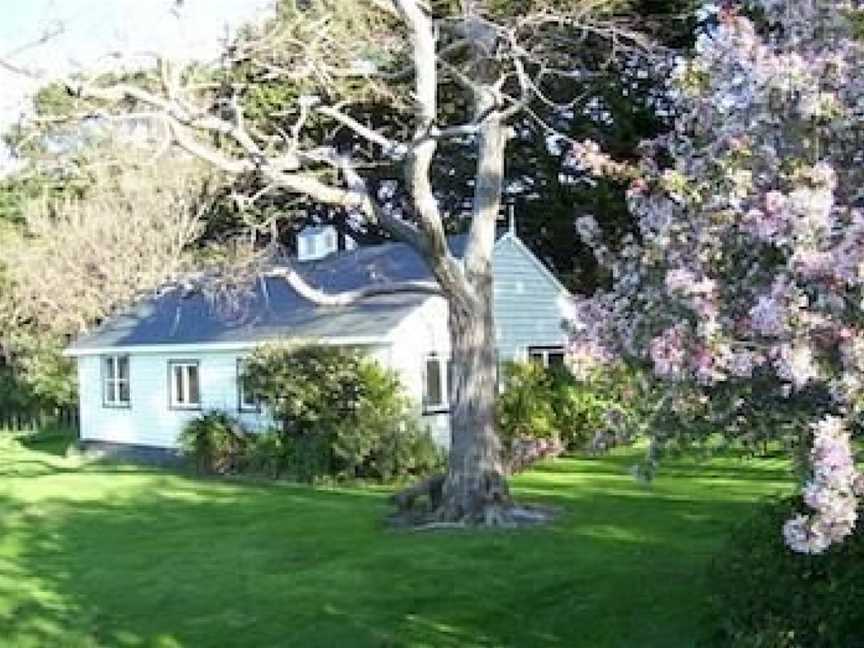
<point x="184" y="384"/>
<point x="547" y="356"/>
<point x="436" y="383"/>
<point x="246" y="399"/>
<point x="115" y="381"/>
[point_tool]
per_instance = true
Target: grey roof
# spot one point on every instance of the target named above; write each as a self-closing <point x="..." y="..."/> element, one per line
<point x="270" y="309"/>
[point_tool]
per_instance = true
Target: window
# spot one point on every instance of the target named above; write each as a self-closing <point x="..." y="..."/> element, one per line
<point x="184" y="384"/>
<point x="246" y="400"/>
<point x="547" y="356"/>
<point x="436" y="382"/>
<point x="115" y="379"/>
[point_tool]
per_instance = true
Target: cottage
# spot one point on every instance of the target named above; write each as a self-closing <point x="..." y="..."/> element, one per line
<point x="143" y="374"/>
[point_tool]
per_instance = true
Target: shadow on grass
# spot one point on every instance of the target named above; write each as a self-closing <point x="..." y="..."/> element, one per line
<point x="53" y="440"/>
<point x="95" y="557"/>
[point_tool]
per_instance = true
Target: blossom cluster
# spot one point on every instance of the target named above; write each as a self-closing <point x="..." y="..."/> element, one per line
<point x="750" y="258"/>
<point x="831" y="492"/>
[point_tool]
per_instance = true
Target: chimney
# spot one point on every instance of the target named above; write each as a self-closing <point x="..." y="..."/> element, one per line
<point x="316" y="242"/>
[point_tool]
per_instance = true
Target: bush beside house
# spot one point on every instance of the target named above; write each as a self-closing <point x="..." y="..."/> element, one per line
<point x="337" y="414"/>
<point x="545" y="411"/>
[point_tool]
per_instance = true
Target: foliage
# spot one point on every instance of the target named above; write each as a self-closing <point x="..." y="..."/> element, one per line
<point x="766" y="596"/>
<point x="749" y="260"/>
<point x="608" y="406"/>
<point x="216" y="441"/>
<point x="78" y="253"/>
<point x="340" y="414"/>
<point x="524" y="408"/>
<point x="383" y="438"/>
<point x="307" y="389"/>
<point x="592" y="410"/>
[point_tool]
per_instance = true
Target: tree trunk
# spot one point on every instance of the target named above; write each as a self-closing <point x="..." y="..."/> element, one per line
<point x="475" y="490"/>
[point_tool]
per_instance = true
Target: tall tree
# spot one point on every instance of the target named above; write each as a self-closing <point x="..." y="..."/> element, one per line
<point x="745" y="287"/>
<point x="322" y="62"/>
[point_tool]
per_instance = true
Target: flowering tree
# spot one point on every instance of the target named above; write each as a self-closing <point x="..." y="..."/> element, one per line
<point x="747" y="278"/>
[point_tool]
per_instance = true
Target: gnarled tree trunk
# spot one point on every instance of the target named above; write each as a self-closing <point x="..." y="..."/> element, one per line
<point x="475" y="490"/>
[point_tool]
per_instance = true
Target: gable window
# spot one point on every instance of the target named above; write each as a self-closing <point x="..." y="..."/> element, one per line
<point x="436" y="384"/>
<point x="246" y="399"/>
<point x="184" y="384"/>
<point x="551" y="356"/>
<point x="115" y="381"/>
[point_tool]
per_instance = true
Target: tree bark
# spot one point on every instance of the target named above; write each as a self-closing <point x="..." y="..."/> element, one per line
<point x="475" y="490"/>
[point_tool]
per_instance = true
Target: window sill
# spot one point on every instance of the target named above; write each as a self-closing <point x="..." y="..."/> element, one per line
<point x="432" y="411"/>
<point x="124" y="406"/>
<point x="249" y="410"/>
<point x="185" y="408"/>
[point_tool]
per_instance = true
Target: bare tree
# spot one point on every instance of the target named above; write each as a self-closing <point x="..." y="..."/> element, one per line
<point x="77" y="259"/>
<point x="336" y="54"/>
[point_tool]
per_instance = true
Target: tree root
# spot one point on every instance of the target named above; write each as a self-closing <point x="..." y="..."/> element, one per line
<point x="424" y="507"/>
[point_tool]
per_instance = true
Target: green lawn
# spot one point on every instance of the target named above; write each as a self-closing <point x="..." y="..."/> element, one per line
<point x="96" y="555"/>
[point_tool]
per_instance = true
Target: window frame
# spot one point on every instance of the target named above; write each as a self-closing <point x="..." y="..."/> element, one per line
<point x="445" y="368"/>
<point x="243" y="407"/>
<point x="116" y="381"/>
<point x="545" y="352"/>
<point x="187" y="406"/>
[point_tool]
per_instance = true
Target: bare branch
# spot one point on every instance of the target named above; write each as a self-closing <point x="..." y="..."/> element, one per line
<point x="390" y="148"/>
<point x="5" y="60"/>
<point x="346" y="298"/>
<point x="419" y="162"/>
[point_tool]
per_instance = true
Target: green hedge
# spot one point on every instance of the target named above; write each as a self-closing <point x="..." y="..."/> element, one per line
<point x="339" y="415"/>
<point x="766" y="596"/>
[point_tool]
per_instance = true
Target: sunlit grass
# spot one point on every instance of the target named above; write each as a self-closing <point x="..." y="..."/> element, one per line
<point x="112" y="555"/>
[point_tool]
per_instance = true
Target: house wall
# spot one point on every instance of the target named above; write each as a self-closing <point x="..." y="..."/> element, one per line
<point x="149" y="420"/>
<point x="530" y="305"/>
<point x="423" y="332"/>
<point x="529" y="308"/>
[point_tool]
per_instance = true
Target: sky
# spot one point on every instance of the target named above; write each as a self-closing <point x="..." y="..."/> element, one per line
<point x="91" y="29"/>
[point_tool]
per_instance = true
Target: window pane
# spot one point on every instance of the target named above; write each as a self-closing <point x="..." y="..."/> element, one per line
<point x="178" y="385"/>
<point x="123" y="367"/>
<point x="109" y="368"/>
<point x="433" y="382"/>
<point x="194" y="389"/>
<point x="556" y="359"/>
<point x="123" y="390"/>
<point x="536" y="356"/>
<point x="109" y="391"/>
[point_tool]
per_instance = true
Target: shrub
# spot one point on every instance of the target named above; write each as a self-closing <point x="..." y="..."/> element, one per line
<point x="216" y="441"/>
<point x="339" y="414"/>
<point x="604" y="408"/>
<point x="765" y="595"/>
<point x="524" y="409"/>
<point x="308" y="389"/>
<point x="543" y="411"/>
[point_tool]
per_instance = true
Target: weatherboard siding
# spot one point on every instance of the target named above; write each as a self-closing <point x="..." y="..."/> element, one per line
<point x="529" y="308"/>
<point x="529" y="304"/>
<point x="149" y="420"/>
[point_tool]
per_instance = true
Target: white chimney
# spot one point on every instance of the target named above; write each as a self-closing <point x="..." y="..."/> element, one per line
<point x="316" y="242"/>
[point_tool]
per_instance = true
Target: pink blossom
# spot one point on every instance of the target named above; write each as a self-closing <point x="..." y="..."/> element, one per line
<point x="668" y="353"/>
<point x="831" y="492"/>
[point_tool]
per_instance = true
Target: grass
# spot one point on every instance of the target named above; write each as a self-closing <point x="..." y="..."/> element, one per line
<point x="117" y="555"/>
